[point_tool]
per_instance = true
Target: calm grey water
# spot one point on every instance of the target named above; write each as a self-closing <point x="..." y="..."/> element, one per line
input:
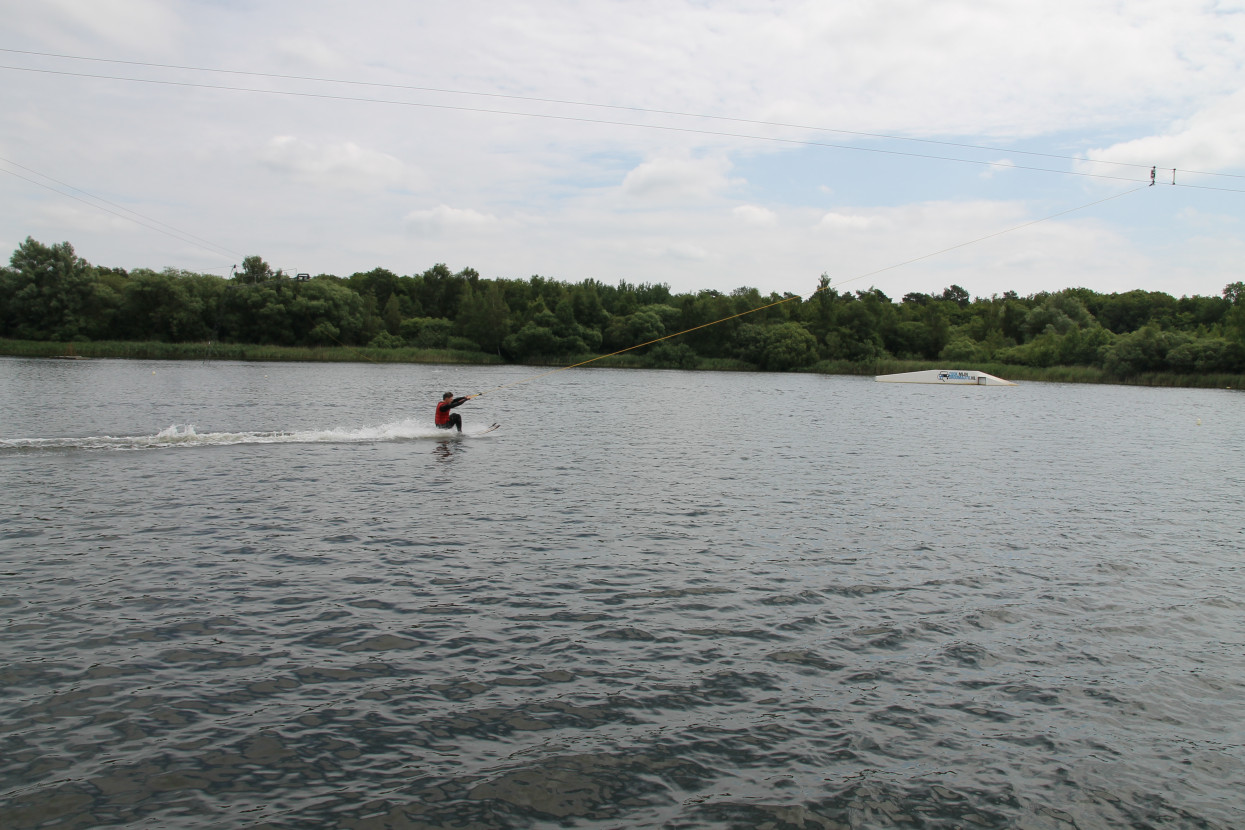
<point x="271" y="595"/>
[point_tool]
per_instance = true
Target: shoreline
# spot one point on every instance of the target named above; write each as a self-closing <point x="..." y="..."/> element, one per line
<point x="155" y="350"/>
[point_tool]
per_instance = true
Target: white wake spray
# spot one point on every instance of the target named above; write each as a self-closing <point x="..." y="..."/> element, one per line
<point x="185" y="435"/>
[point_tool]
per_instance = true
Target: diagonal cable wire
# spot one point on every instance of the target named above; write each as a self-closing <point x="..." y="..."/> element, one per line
<point x="819" y="290"/>
<point x="145" y="221"/>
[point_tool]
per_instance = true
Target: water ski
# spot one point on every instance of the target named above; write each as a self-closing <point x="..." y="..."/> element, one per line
<point x="484" y="431"/>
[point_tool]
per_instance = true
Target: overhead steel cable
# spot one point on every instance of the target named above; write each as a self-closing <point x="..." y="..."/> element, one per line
<point x="622" y="107"/>
<point x="170" y="230"/>
<point x="1205" y="187"/>
<point x="570" y="118"/>
<point x="989" y="236"/>
<point x="151" y="224"/>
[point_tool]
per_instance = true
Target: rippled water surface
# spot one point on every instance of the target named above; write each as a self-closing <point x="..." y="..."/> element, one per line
<point x="262" y="595"/>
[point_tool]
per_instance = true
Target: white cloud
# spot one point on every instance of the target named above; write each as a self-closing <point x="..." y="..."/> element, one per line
<point x="343" y="166"/>
<point x="149" y="25"/>
<point x="755" y="215"/>
<point x="687" y="251"/>
<point x="1007" y="69"/>
<point x="834" y="221"/>
<point x="677" y="179"/>
<point x="1153" y="81"/>
<point x="997" y="167"/>
<point x="443" y="220"/>
<point x="81" y="219"/>
<point x="987" y="247"/>
<point x="309" y="50"/>
<point x="1213" y="139"/>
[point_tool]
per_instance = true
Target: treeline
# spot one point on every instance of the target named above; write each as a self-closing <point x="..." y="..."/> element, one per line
<point x="49" y="293"/>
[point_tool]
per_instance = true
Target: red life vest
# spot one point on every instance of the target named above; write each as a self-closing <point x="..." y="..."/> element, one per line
<point x="443" y="413"/>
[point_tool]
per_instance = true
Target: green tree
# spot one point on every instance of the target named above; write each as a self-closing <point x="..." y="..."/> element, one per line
<point x="162" y="306"/>
<point x="255" y="270"/>
<point x="667" y="355"/>
<point x="1234" y="320"/>
<point x="323" y="333"/>
<point x="910" y="339"/>
<point x="1060" y="312"/>
<point x="776" y="348"/>
<point x="1041" y="351"/>
<point x="1206" y="354"/>
<point x="986" y="320"/>
<point x="705" y="308"/>
<point x="1083" y="347"/>
<point x="666" y="313"/>
<point x="1193" y="313"/>
<point x="956" y="295"/>
<point x="565" y="312"/>
<point x="392" y="315"/>
<point x="45" y="292"/>
<point x="373" y="323"/>
<point x="385" y="340"/>
<point x="484" y="316"/>
<point x="938" y="325"/>
<point x="633" y="329"/>
<point x="101" y="312"/>
<point x="863" y="322"/>
<point x="532" y="340"/>
<point x="749" y="343"/>
<point x="962" y="349"/>
<point x="586" y="303"/>
<point x="1012" y="318"/>
<point x="256" y="314"/>
<point x="1144" y="350"/>
<point x="818" y="314"/>
<point x="439" y="291"/>
<point x="427" y="332"/>
<point x="788" y="346"/>
<point x="325" y="312"/>
<point x="379" y="282"/>
<point x="1127" y="312"/>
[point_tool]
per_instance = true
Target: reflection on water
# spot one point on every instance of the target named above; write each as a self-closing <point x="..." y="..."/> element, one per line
<point x="445" y="449"/>
<point x="821" y="603"/>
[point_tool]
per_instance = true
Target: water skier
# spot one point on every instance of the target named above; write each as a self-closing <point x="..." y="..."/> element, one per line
<point x="446" y="419"/>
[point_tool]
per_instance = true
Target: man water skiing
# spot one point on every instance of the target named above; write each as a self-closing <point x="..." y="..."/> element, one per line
<point x="445" y="419"/>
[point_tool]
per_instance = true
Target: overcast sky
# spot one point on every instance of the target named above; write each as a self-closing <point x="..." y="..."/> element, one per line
<point x="707" y="145"/>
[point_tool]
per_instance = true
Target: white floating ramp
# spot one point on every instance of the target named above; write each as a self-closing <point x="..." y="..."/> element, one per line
<point x="961" y="377"/>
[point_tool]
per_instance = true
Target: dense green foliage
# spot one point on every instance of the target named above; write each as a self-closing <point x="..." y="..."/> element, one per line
<point x="51" y="294"/>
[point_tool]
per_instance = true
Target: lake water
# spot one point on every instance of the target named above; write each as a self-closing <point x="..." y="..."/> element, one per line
<point x="272" y="595"/>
